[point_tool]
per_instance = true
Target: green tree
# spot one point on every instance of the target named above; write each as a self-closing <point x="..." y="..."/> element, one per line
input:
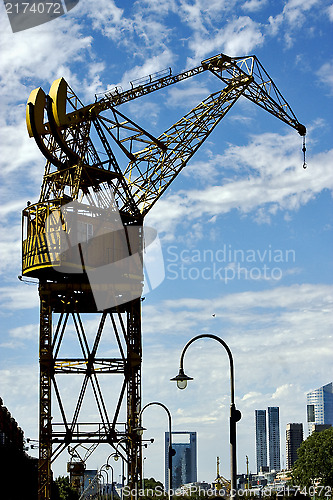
<point x="153" y="489"/>
<point x="152" y="483"/>
<point x="62" y="490"/>
<point x="315" y="461"/>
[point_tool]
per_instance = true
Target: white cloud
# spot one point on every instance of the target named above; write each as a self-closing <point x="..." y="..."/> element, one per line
<point x="293" y="17"/>
<point x="22" y="296"/>
<point x="187" y="95"/>
<point x="28" y="156"/>
<point x="279" y="339"/>
<point x="10" y="250"/>
<point x="42" y="53"/>
<point x="150" y="66"/>
<point x="294" y="9"/>
<point x="26" y="332"/>
<point x="254" y="5"/>
<point x="19" y="391"/>
<point x="259" y="185"/>
<point x="285" y="307"/>
<point x="271" y="333"/>
<point x="139" y="29"/>
<point x="204" y="171"/>
<point x="325" y="75"/>
<point x="107" y="17"/>
<point x="238" y="37"/>
<point x="161" y="7"/>
<point x="202" y="15"/>
<point x="330" y="12"/>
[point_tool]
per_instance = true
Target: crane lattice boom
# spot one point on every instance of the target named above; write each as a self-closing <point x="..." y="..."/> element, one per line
<point x="66" y="139"/>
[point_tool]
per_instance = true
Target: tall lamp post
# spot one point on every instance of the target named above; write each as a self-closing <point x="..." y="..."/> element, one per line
<point x="235" y="415"/>
<point x="100" y="476"/>
<point x="116" y="455"/>
<point x="170" y="450"/>
<point x="107" y="467"/>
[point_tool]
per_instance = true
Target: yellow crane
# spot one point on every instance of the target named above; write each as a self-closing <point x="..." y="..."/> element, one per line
<point x="105" y="172"/>
<point x="220" y="481"/>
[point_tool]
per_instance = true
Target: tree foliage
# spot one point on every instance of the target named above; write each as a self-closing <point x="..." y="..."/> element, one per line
<point x="152" y="483"/>
<point x="315" y="461"/>
<point x="62" y="490"/>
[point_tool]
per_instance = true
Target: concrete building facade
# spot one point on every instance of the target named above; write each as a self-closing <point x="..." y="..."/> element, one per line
<point x="294" y="439"/>
<point x="261" y="440"/>
<point x="274" y="438"/>
<point x="320" y="406"/>
<point x="184" y="462"/>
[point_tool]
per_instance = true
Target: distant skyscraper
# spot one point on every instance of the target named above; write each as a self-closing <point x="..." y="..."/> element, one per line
<point x="274" y="438"/>
<point x="184" y="462"/>
<point x="294" y="438"/>
<point x="320" y="406"/>
<point x="261" y="439"/>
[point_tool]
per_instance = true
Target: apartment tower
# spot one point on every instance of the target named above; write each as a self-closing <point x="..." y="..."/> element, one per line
<point x="184" y="462"/>
<point x="320" y="406"/>
<point x="261" y="439"/>
<point x="294" y="438"/>
<point x="274" y="438"/>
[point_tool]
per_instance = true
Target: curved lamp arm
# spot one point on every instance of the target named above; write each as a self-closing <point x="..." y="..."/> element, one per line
<point x="182" y="378"/>
<point x="139" y="429"/>
<point x="235" y="415"/>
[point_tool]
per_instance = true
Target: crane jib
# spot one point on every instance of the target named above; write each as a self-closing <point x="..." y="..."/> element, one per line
<point x="66" y="139"/>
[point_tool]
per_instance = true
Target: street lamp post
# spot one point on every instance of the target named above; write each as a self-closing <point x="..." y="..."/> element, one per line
<point x="100" y="476"/>
<point x="143" y="473"/>
<point x="116" y="456"/>
<point x="235" y="415"/>
<point x="107" y="467"/>
<point x="170" y="450"/>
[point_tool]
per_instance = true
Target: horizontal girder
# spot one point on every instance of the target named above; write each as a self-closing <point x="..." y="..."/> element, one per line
<point x="71" y="365"/>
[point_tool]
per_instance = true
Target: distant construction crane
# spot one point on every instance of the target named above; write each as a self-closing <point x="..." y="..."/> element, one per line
<point x="90" y="215"/>
<point x="220" y="481"/>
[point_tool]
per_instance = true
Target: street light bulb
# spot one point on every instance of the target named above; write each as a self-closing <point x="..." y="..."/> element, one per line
<point x="139" y="430"/>
<point x="181" y="379"/>
<point x="182" y="384"/>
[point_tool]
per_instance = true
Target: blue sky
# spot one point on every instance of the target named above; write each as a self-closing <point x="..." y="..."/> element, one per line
<point x="245" y="191"/>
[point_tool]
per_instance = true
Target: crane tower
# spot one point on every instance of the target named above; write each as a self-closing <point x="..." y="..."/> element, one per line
<point x="84" y="240"/>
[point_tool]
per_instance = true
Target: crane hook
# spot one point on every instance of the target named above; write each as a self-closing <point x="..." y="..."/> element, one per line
<point x="304" y="149"/>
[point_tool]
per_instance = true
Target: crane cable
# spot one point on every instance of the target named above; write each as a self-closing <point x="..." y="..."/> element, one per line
<point x="304" y="149"/>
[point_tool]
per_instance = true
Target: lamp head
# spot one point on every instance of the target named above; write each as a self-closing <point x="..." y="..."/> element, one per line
<point x="181" y="379"/>
<point x="139" y="430"/>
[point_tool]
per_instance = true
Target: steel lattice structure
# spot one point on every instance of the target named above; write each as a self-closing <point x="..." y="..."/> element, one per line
<point x="78" y="143"/>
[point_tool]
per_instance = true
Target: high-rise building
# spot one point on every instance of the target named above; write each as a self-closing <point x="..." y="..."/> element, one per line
<point x="274" y="438"/>
<point x="320" y="406"/>
<point x="320" y="427"/>
<point x="294" y="438"/>
<point x="184" y="462"/>
<point x="261" y="439"/>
